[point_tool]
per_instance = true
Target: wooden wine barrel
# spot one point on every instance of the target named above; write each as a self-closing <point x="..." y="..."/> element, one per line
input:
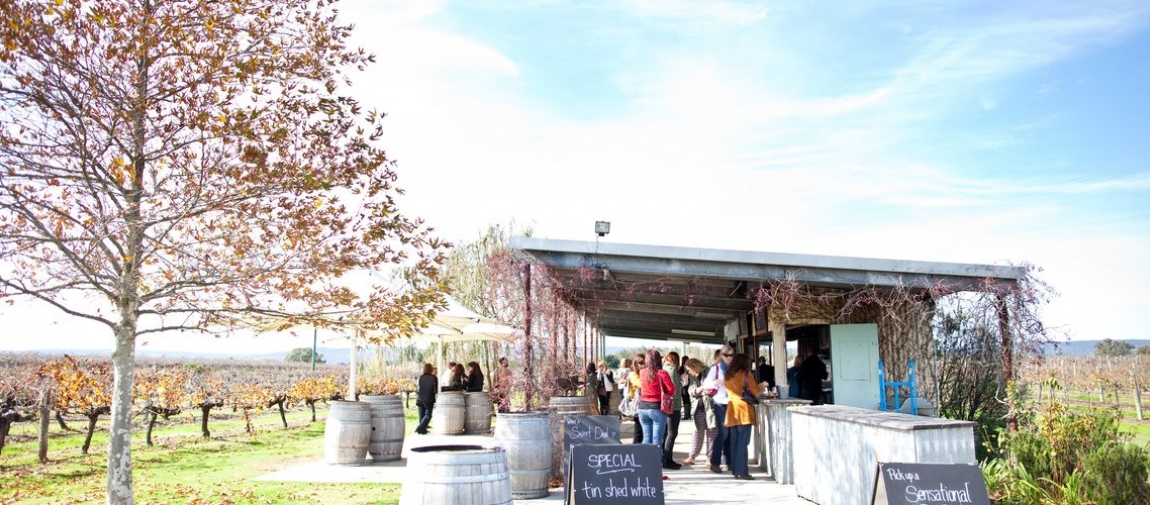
<point x="527" y="439"/>
<point x="457" y="475"/>
<point x="477" y="420"/>
<point x="449" y="413"/>
<point x="346" y="434"/>
<point x="387" y="427"/>
<point x="561" y="407"/>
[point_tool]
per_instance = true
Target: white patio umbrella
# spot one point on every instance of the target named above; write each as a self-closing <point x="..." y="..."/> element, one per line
<point x="454" y="324"/>
<point x="474" y="332"/>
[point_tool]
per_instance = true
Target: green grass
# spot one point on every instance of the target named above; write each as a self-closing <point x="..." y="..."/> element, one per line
<point x="1139" y="431"/>
<point x="183" y="467"/>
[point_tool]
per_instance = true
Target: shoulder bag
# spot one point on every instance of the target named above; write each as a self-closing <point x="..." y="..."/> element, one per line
<point x="747" y="395"/>
<point x="666" y="401"/>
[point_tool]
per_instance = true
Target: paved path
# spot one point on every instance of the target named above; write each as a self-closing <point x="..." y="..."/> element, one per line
<point x="691" y="485"/>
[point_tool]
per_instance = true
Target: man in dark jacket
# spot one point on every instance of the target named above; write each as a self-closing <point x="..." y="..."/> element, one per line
<point x="764" y="372"/>
<point x="425" y="398"/>
<point x="811" y="375"/>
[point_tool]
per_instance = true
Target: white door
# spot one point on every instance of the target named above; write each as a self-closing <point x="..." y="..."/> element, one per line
<point x="854" y="363"/>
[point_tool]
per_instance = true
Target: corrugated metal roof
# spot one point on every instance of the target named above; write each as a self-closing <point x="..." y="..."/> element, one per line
<point x="665" y="292"/>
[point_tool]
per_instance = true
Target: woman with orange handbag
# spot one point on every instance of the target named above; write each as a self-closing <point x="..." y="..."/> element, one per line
<point x="740" y="415"/>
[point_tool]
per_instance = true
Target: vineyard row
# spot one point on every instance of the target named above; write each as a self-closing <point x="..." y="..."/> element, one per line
<point x="35" y="387"/>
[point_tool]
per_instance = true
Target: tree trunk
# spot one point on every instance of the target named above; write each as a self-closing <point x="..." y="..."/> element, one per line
<point x="311" y="403"/>
<point x="60" y="421"/>
<point x="283" y="416"/>
<point x="119" y="482"/>
<point x="205" y="409"/>
<point x="91" y="429"/>
<point x="6" y="420"/>
<point x="151" y="424"/>
<point x="45" y="421"/>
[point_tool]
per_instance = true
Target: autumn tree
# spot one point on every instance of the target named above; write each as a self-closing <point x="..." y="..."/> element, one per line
<point x="204" y="391"/>
<point x="278" y="393"/>
<point x="17" y="397"/>
<point x="82" y="386"/>
<point x="314" y="389"/>
<point x="161" y="393"/>
<point x="249" y="397"/>
<point x="196" y="164"/>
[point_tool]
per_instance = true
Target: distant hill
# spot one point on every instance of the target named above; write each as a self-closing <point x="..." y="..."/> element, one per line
<point x="1085" y="347"/>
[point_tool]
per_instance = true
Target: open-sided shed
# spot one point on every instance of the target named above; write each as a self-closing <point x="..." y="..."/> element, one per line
<point x="759" y="300"/>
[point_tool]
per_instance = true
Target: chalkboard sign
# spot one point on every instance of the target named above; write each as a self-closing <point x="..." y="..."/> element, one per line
<point x="611" y="474"/>
<point x="929" y="484"/>
<point x="590" y="430"/>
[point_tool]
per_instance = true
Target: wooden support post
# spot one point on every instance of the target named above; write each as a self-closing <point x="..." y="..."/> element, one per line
<point x="1007" y="355"/>
<point x="554" y="316"/>
<point x="566" y="337"/>
<point x="778" y="331"/>
<point x="528" y="354"/>
<point x="583" y="351"/>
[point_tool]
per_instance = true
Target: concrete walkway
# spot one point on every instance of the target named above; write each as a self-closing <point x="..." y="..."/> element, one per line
<point x="693" y="484"/>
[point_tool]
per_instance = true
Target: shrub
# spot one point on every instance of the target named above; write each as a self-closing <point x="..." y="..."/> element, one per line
<point x="1116" y="473"/>
<point x="1060" y="456"/>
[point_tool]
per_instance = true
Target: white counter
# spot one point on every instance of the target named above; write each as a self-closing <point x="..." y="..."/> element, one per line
<point x="836" y="448"/>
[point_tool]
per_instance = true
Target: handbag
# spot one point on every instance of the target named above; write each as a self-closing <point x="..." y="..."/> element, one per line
<point x="747" y="395"/>
<point x="629" y="406"/>
<point x="667" y="404"/>
<point x="666" y="401"/>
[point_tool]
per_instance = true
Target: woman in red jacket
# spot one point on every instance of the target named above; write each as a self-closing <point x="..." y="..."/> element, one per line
<point x="655" y="383"/>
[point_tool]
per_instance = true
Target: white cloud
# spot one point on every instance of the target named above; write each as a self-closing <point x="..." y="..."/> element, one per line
<point x="709" y="154"/>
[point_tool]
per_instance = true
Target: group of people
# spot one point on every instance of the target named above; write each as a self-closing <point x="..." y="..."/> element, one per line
<point x="471" y="381"/>
<point x="659" y="391"/>
<point x="654" y="391"/>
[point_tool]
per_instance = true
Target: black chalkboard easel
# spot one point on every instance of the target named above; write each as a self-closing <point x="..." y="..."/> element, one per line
<point x="615" y="473"/>
<point x="580" y="430"/>
<point x="929" y="484"/>
<point x="590" y="430"/>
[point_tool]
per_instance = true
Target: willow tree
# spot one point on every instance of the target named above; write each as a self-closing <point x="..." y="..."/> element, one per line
<point x="196" y="164"/>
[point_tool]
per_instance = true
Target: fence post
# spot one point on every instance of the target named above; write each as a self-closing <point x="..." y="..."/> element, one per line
<point x="1137" y="396"/>
<point x="45" y="420"/>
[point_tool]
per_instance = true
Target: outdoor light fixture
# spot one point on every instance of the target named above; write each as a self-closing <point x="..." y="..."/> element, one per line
<point x="602" y="228"/>
<point x="678" y="331"/>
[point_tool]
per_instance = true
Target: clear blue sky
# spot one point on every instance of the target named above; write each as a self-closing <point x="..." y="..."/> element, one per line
<point x="986" y="132"/>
